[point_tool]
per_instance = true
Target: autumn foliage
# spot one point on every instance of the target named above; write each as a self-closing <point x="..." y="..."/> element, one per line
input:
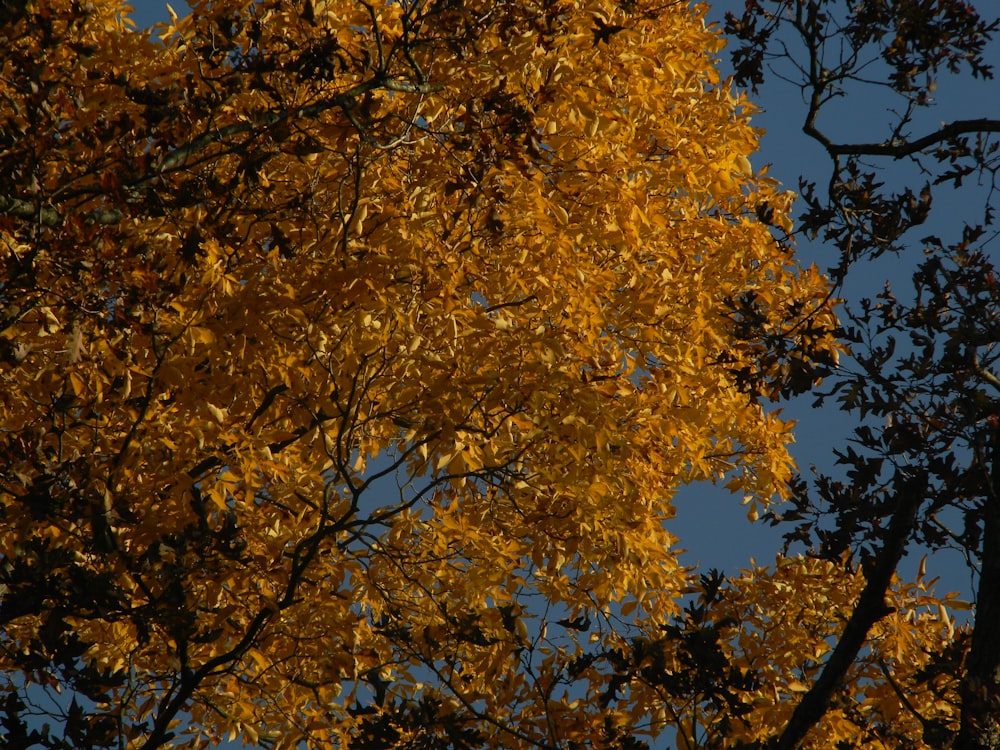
<point x="351" y="357"/>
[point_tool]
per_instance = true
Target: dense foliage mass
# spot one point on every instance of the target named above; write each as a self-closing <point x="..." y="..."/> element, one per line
<point x="351" y="357"/>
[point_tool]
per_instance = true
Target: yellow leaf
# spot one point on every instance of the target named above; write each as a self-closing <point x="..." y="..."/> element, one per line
<point x="79" y="388"/>
<point x="796" y="686"/>
<point x="219" y="415"/>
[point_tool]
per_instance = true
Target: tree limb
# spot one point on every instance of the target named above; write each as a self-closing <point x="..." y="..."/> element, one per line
<point x="899" y="148"/>
<point x="871" y="608"/>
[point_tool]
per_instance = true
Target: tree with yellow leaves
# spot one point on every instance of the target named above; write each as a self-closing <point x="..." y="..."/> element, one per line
<point x="351" y="356"/>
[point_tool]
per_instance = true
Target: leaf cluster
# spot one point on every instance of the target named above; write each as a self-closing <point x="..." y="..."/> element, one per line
<point x="349" y="349"/>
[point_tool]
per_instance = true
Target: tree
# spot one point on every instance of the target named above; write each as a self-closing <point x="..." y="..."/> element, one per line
<point x="351" y="356"/>
<point x="924" y="468"/>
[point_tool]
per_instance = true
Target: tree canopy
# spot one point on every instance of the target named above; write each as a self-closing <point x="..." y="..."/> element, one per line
<point x="349" y="348"/>
<point x="351" y="356"/>
<point x="922" y="471"/>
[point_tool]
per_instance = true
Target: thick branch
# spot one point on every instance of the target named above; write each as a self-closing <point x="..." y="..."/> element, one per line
<point x="900" y="148"/>
<point x="871" y="608"/>
<point x="980" y="688"/>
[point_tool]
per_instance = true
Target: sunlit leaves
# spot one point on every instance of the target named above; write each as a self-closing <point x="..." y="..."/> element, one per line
<point x="348" y="350"/>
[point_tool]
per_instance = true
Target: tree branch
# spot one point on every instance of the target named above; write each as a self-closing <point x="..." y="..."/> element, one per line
<point x="871" y="608"/>
<point x="980" y="723"/>
<point x="50" y="217"/>
<point x="899" y="148"/>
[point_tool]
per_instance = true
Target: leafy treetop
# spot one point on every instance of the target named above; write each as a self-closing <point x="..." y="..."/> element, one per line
<point x="343" y="342"/>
